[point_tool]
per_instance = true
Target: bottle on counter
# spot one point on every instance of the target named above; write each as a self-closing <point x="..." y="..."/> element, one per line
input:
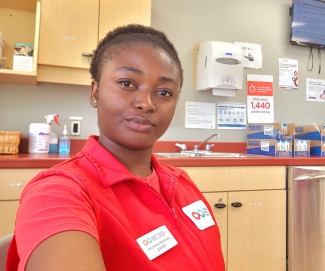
<point x="39" y="134"/>
<point x="54" y="140"/>
<point x="64" y="144"/>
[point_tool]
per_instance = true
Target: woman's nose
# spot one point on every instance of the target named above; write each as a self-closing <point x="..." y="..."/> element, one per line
<point x="144" y="101"/>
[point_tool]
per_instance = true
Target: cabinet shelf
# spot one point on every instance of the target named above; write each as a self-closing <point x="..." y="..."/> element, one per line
<point x="14" y="16"/>
<point x="18" y="77"/>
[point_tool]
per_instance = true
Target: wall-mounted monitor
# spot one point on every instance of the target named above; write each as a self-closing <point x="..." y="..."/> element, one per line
<point x="308" y="23"/>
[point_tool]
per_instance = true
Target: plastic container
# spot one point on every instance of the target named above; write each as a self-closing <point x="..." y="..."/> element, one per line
<point x="39" y="136"/>
<point x="54" y="140"/>
<point x="64" y="145"/>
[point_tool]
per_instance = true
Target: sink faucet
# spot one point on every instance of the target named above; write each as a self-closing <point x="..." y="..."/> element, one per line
<point x="208" y="146"/>
<point x="196" y="147"/>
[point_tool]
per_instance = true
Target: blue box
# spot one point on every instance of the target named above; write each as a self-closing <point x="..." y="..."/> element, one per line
<point x="317" y="147"/>
<point x="270" y="131"/>
<point x="270" y="147"/>
<point x="301" y="147"/>
<point x="310" y="132"/>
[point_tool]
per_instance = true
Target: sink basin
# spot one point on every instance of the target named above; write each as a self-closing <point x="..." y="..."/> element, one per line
<point x="204" y="154"/>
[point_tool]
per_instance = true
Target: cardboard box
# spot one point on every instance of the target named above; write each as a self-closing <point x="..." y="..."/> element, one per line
<point x="271" y="147"/>
<point x="300" y="147"/>
<point x="317" y="147"/>
<point x="310" y="132"/>
<point x="270" y="131"/>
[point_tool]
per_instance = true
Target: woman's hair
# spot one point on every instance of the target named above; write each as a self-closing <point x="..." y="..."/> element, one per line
<point x="126" y="35"/>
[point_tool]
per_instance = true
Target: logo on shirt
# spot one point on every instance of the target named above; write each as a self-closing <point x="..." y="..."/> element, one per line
<point x="198" y="214"/>
<point x="147" y="241"/>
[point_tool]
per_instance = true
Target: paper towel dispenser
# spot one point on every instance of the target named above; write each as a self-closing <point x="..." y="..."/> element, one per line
<point x="220" y="68"/>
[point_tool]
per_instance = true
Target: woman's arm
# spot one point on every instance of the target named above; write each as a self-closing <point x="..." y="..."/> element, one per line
<point x="67" y="251"/>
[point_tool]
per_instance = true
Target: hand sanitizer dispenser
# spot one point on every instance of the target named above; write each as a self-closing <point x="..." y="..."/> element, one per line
<point x="220" y="68"/>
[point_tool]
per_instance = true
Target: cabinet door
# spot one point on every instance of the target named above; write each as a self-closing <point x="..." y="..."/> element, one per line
<point x="8" y="210"/>
<point x="115" y="13"/>
<point x="257" y="231"/>
<point x="220" y="215"/>
<point x="12" y="183"/>
<point x="68" y="29"/>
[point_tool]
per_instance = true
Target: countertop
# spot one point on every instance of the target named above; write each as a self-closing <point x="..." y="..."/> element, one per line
<point x="25" y="160"/>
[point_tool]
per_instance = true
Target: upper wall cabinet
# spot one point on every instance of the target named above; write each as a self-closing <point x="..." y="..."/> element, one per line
<point x="70" y="31"/>
<point x="19" y="23"/>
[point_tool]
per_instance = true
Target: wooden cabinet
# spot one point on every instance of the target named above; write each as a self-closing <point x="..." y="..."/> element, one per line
<point x="71" y="29"/>
<point x="19" y="21"/>
<point x="68" y="29"/>
<point x="12" y="182"/>
<point x="253" y="234"/>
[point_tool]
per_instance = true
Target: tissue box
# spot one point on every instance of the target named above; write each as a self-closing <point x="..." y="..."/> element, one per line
<point x="317" y="147"/>
<point x="300" y="147"/>
<point x="310" y="132"/>
<point x="271" y="147"/>
<point x="270" y="131"/>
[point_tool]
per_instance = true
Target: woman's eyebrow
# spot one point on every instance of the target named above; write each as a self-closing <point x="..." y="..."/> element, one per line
<point x="167" y="79"/>
<point x="131" y="69"/>
<point x="139" y="72"/>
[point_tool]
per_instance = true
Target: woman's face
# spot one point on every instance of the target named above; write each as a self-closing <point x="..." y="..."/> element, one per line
<point x="136" y="96"/>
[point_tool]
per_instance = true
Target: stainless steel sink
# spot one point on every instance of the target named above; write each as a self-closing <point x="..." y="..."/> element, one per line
<point x="203" y="154"/>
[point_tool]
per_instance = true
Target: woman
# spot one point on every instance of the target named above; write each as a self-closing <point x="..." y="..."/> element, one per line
<point x="114" y="206"/>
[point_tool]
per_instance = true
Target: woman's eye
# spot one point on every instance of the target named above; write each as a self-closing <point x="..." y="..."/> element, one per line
<point x="165" y="93"/>
<point x="126" y="84"/>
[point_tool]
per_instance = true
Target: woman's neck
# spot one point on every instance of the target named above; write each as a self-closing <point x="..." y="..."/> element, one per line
<point x="138" y="162"/>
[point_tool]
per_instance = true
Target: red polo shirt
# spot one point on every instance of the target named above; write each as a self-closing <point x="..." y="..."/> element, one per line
<point x="94" y="193"/>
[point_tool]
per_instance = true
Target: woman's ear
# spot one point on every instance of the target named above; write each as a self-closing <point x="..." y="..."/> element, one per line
<point x="94" y="94"/>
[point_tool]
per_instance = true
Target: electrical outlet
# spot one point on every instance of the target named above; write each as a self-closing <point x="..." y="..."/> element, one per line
<point x="75" y="126"/>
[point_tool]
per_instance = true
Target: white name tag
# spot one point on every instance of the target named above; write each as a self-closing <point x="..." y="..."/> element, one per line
<point x="157" y="242"/>
<point x="199" y="214"/>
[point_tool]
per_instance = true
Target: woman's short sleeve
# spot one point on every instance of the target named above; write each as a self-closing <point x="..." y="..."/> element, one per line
<point x="49" y="206"/>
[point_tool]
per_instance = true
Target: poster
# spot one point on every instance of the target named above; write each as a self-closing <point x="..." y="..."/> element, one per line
<point x="315" y="90"/>
<point x="252" y="54"/>
<point x="231" y="116"/>
<point x="200" y="115"/>
<point x="260" y="100"/>
<point x="288" y="74"/>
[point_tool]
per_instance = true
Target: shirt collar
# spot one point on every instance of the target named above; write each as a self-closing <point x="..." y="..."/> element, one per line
<point x="112" y="171"/>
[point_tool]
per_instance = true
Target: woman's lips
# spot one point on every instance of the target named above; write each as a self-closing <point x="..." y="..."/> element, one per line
<point x="140" y="124"/>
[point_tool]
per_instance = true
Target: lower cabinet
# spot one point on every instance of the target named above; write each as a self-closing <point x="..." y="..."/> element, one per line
<point x="249" y="204"/>
<point x="12" y="182"/>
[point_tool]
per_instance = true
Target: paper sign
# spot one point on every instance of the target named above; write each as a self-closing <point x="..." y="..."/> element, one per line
<point x="231" y="116"/>
<point x="288" y="74"/>
<point x="200" y="115"/>
<point x="315" y="90"/>
<point x="252" y="54"/>
<point x="260" y="100"/>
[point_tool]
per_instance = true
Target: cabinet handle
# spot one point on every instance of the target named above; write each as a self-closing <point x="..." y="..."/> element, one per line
<point x="15" y="184"/>
<point x="87" y="54"/>
<point x="236" y="204"/>
<point x="220" y="205"/>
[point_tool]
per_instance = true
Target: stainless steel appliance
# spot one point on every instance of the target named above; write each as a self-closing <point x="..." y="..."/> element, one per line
<point x="306" y="218"/>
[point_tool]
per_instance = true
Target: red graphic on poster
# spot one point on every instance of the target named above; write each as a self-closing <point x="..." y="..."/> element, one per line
<point x="255" y="88"/>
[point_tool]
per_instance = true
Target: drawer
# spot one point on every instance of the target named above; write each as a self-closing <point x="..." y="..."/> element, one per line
<point x="215" y="179"/>
<point x="12" y="181"/>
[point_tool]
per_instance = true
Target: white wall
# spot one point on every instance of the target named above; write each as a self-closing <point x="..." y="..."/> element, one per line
<point x="187" y="22"/>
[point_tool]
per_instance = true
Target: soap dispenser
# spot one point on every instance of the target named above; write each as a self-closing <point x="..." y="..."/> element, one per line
<point x="64" y="145"/>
